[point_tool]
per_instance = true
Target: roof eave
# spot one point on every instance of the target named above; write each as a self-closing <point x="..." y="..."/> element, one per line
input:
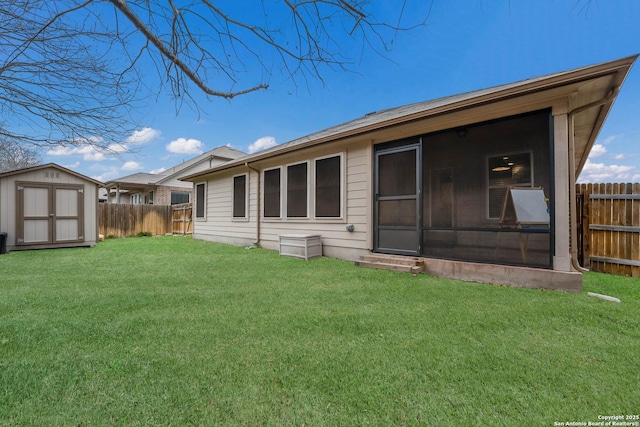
<point x="541" y="84"/>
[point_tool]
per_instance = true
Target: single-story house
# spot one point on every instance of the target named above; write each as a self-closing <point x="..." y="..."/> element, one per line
<point x="443" y="180"/>
<point x="165" y="188"/>
<point x="48" y="206"/>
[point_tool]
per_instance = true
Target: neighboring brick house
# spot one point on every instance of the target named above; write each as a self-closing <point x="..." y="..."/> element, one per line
<point x="165" y="188"/>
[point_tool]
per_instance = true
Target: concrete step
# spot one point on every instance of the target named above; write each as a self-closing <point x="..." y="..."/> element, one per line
<point x="393" y="259"/>
<point x="404" y="264"/>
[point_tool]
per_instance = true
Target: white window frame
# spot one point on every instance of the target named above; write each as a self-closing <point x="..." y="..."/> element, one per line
<point x="342" y="187"/>
<point x="204" y="201"/>
<point x="286" y="191"/>
<point x="282" y="193"/>
<point x="246" y="197"/>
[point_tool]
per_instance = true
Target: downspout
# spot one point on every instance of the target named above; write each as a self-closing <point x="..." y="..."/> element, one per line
<point x="572" y="173"/>
<point x="257" y="243"/>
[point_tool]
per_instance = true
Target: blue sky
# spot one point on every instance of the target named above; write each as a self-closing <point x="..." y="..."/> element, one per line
<point x="465" y="45"/>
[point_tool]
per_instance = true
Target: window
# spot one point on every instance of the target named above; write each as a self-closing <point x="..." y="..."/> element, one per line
<point x="178" y="197"/>
<point x="200" y="200"/>
<point x="136" y="199"/>
<point x="150" y="198"/>
<point x="272" y="193"/>
<point x="506" y="171"/>
<point x="240" y="196"/>
<point x="297" y="190"/>
<point x="328" y="187"/>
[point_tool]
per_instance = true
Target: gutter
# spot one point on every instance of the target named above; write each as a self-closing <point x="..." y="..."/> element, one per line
<point x="572" y="172"/>
<point x="470" y="100"/>
<point x="257" y="243"/>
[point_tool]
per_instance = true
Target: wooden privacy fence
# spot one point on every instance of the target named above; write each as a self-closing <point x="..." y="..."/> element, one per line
<point x="122" y="220"/>
<point x="181" y="219"/>
<point x="609" y="227"/>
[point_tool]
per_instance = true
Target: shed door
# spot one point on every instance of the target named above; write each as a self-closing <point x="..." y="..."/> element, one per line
<point x="397" y="197"/>
<point x="49" y="214"/>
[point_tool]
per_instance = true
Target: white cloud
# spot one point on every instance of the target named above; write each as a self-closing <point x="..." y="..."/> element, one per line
<point x="159" y="170"/>
<point x="262" y="144"/>
<point x="143" y="136"/>
<point x="61" y="151"/>
<point x="94" y="156"/>
<point x="118" y="148"/>
<point x="88" y="152"/>
<point x="618" y="157"/>
<point x="73" y="165"/>
<point x="185" y="146"/>
<point x="598" y="150"/>
<point x="609" y="139"/>
<point x="104" y="173"/>
<point x="131" y="166"/>
<point x="600" y="172"/>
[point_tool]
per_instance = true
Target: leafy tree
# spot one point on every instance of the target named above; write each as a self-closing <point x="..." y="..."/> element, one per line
<point x="71" y="71"/>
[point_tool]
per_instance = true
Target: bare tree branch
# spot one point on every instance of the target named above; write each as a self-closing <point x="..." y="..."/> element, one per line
<point x="71" y="71"/>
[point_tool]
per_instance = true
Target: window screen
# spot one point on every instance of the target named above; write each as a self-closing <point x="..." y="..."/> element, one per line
<point x="178" y="197"/>
<point x="272" y="193"/>
<point x="504" y="172"/>
<point x="328" y="187"/>
<point x="200" y="200"/>
<point x="297" y="190"/>
<point x="239" y="196"/>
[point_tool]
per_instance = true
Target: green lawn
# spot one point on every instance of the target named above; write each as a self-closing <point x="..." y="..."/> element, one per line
<point x="173" y="331"/>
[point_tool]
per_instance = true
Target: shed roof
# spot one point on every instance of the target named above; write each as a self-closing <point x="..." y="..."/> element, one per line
<point x="614" y="73"/>
<point x="48" y="166"/>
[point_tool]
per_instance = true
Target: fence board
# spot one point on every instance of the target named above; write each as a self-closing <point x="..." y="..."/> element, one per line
<point x="123" y="220"/>
<point x="610" y="224"/>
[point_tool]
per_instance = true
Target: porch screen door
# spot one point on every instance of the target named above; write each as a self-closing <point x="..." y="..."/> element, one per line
<point x="397" y="200"/>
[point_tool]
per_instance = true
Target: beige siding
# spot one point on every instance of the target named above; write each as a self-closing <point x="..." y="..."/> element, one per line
<point x="220" y="225"/>
<point x="356" y="206"/>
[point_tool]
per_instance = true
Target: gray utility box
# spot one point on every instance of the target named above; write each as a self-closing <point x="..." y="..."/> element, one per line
<point x="303" y="246"/>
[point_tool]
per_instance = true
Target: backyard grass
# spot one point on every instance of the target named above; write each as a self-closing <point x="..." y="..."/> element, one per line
<point x="175" y="331"/>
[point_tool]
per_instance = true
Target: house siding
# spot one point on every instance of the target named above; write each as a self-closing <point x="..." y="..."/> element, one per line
<point x="570" y="98"/>
<point x="337" y="241"/>
<point x="220" y="226"/>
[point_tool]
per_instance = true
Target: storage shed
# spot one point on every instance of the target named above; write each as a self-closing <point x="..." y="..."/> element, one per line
<point x="48" y="206"/>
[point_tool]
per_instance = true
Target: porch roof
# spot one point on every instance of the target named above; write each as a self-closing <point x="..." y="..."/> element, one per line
<point x="586" y="84"/>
